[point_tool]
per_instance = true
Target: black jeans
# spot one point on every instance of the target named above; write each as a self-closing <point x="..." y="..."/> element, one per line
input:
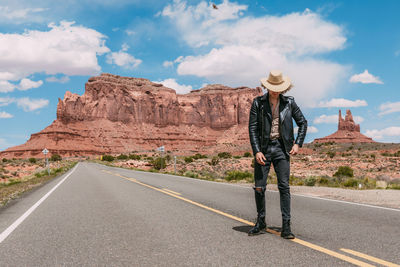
<point x="276" y="155"/>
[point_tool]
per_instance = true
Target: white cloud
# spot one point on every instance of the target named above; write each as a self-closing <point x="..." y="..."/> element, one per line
<point x="54" y="79"/>
<point x="310" y="129"/>
<point x="27" y="84"/>
<point x="66" y="49"/>
<point x="387" y="108"/>
<point x="5" y="101"/>
<point x="123" y="59"/>
<point x="381" y="134"/>
<point x="28" y="104"/>
<point x="358" y="119"/>
<point x="167" y="64"/>
<point x="129" y="32"/>
<point x="179" y="88"/>
<point x="365" y="77"/>
<point x="5" y="115"/>
<point x="245" y="48"/>
<point x="13" y="14"/>
<point x="6" y="87"/>
<point x="326" y="119"/>
<point x="342" y="103"/>
<point x="171" y="63"/>
<point x="333" y="119"/>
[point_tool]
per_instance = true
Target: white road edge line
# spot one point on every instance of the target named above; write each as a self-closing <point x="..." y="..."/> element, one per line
<point x="346" y="202"/>
<point x="13" y="226"/>
<point x="247" y="187"/>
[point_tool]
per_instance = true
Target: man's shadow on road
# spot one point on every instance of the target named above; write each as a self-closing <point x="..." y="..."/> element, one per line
<point x="246" y="229"/>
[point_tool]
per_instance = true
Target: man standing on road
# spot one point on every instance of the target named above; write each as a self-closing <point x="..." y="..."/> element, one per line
<point x="272" y="141"/>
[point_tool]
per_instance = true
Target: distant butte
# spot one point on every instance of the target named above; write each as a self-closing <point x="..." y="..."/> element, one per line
<point x="348" y="132"/>
<point x="122" y="114"/>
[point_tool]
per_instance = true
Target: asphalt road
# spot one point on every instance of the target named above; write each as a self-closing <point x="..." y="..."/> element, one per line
<point x="103" y="216"/>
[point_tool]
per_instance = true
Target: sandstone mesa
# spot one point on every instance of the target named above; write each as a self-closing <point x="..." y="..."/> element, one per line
<point x="348" y="132"/>
<point x="122" y="114"/>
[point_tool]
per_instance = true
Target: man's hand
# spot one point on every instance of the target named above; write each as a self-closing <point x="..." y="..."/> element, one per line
<point x="295" y="149"/>
<point x="260" y="158"/>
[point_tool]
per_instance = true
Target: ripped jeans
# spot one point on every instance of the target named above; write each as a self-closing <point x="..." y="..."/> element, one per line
<point x="276" y="155"/>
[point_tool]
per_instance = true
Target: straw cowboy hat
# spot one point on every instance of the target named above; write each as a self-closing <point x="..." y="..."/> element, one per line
<point x="276" y="82"/>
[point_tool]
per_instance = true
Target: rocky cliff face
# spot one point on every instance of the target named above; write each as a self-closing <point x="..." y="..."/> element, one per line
<point x="348" y="132"/>
<point x="121" y="114"/>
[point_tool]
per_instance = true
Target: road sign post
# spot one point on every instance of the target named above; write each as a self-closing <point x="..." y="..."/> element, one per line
<point x="161" y="149"/>
<point x="174" y="164"/>
<point x="45" y="152"/>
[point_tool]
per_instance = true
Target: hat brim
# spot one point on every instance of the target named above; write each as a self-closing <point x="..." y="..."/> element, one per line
<point x="277" y="87"/>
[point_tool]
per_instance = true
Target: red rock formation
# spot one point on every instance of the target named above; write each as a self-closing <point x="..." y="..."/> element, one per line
<point x="348" y="132"/>
<point x="120" y="115"/>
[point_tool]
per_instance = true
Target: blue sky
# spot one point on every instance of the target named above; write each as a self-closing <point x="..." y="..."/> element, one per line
<point x="339" y="54"/>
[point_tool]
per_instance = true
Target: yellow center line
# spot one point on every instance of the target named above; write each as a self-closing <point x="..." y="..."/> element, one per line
<point x="173" y="192"/>
<point x="296" y="240"/>
<point x="370" y="258"/>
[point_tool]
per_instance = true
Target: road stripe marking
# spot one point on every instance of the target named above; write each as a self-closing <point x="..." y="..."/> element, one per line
<point x="15" y="224"/>
<point x="370" y="258"/>
<point x="247" y="187"/>
<point x="173" y="192"/>
<point x="296" y="240"/>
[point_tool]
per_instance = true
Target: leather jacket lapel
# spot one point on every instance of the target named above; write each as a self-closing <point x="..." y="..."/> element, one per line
<point x="283" y="108"/>
<point x="267" y="107"/>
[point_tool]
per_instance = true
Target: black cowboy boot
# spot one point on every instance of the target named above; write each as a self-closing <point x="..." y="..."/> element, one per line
<point x="260" y="226"/>
<point x="286" y="231"/>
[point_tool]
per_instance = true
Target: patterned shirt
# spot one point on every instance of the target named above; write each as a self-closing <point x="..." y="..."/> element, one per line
<point x="275" y="122"/>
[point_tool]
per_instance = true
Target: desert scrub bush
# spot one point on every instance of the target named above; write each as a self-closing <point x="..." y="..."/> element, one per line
<point x="331" y="154"/>
<point x="344" y="171"/>
<point x="224" y="155"/>
<point x="237" y="175"/>
<point x="4" y="160"/>
<point x="247" y="155"/>
<point x="323" y="181"/>
<point x="58" y="170"/>
<point x="122" y="157"/>
<point x="310" y="181"/>
<point x="32" y="160"/>
<point x="329" y="143"/>
<point x="188" y="159"/>
<point x="369" y="183"/>
<point x="55" y="157"/>
<point x="134" y="156"/>
<point x="159" y="163"/>
<point x="237" y="157"/>
<point x="14" y="173"/>
<point x="394" y="186"/>
<point x="13" y="181"/>
<point x="350" y="183"/>
<point x="294" y="180"/>
<point x="191" y="174"/>
<point x="168" y="158"/>
<point x="214" y="161"/>
<point x="108" y="158"/>
<point x="199" y="156"/>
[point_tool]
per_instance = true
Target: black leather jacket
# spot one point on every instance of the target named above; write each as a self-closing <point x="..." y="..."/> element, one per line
<point x="260" y="123"/>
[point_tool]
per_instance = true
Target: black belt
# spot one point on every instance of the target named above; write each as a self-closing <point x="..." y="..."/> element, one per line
<point x="274" y="141"/>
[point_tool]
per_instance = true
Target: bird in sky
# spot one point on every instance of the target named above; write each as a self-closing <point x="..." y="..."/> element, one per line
<point x="214" y="6"/>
